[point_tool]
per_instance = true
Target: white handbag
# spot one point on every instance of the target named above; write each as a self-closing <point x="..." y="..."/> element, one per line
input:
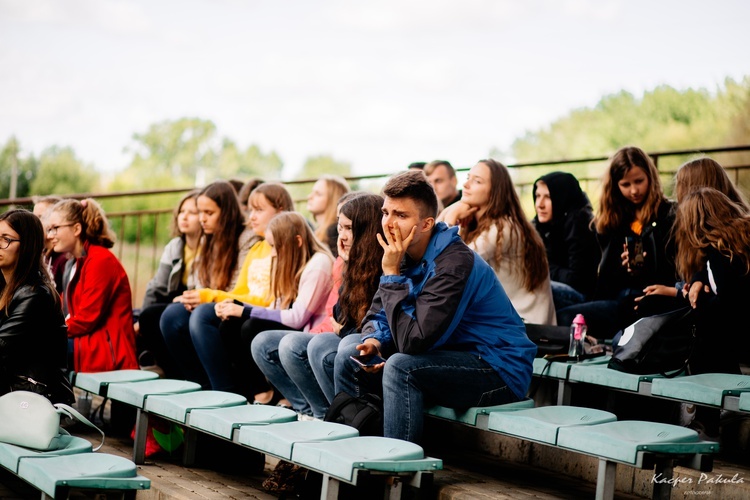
<point x="28" y="419"/>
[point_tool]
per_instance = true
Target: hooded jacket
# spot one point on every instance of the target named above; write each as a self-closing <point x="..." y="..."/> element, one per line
<point x="451" y="299"/>
<point x="167" y="282"/>
<point x="572" y="249"/>
<point x="100" y="312"/>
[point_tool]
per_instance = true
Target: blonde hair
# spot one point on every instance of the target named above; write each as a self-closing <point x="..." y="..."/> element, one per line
<point x="291" y="257"/>
<point x="707" y="218"/>
<point x="705" y="172"/>
<point x="336" y="187"/>
<point x="90" y="215"/>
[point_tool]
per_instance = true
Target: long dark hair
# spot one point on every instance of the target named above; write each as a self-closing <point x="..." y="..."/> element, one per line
<point x="615" y="211"/>
<point x="220" y="251"/>
<point x="30" y="268"/>
<point x="361" y="274"/>
<point x="504" y="207"/>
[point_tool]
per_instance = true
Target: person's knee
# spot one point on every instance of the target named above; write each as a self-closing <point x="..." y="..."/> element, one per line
<point x="348" y="346"/>
<point x="173" y="319"/>
<point x="200" y="325"/>
<point x="265" y="346"/>
<point x="293" y="346"/>
<point x="204" y="313"/>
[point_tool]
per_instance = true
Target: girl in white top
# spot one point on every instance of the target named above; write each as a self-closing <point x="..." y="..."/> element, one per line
<point x="494" y="225"/>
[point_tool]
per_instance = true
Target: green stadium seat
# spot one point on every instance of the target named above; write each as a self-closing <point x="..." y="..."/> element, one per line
<point x="97" y="473"/>
<point x="542" y="424"/>
<point x="98" y="383"/>
<point x="223" y="422"/>
<point x="476" y="416"/>
<point x="279" y="440"/>
<point x="707" y="389"/>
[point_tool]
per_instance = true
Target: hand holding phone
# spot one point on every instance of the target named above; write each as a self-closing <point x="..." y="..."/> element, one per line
<point x="367" y="360"/>
<point x="635" y="252"/>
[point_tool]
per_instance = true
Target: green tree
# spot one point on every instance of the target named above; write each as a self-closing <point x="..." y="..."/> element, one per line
<point x="251" y="163"/>
<point x="173" y="152"/>
<point x="662" y="119"/>
<point x="60" y="172"/>
<point x="315" y="166"/>
<point x="188" y="152"/>
<point x="26" y="170"/>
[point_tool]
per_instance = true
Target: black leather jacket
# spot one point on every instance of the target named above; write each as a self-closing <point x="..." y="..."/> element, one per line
<point x="33" y="345"/>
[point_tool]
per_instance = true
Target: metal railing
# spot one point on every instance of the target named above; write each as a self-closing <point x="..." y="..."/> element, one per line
<point x="736" y="160"/>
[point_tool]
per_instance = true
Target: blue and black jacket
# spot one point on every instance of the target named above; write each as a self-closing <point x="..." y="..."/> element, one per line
<point x="451" y="299"/>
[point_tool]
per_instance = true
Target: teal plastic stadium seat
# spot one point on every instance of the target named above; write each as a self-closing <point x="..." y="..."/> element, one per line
<point x="135" y="393"/>
<point x="341" y="458"/>
<point x="178" y="406"/>
<point x="11" y="455"/>
<point x="708" y="388"/>
<point x="97" y="383"/>
<point x="92" y="471"/>
<point x="560" y="369"/>
<point x="542" y="424"/>
<point x="601" y="375"/>
<point x="745" y="401"/>
<point x="623" y="441"/>
<point x="223" y="421"/>
<point x="280" y="439"/>
<point x="470" y="416"/>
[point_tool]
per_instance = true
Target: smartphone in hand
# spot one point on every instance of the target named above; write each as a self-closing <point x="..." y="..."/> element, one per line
<point x="368" y="360"/>
<point x="635" y="252"/>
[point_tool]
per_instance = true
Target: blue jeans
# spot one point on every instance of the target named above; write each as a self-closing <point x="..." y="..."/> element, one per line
<point x="455" y="379"/>
<point x="321" y="351"/>
<point x="204" y="333"/>
<point x="564" y="295"/>
<point x="282" y="357"/>
<point x="174" y="326"/>
<point x="343" y="378"/>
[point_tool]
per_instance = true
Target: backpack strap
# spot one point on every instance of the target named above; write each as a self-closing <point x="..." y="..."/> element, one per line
<point x="68" y="411"/>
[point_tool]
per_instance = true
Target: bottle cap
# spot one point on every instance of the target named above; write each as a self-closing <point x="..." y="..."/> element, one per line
<point x="579" y="319"/>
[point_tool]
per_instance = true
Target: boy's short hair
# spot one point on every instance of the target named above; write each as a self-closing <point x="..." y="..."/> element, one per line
<point x="413" y="184"/>
<point x="433" y="165"/>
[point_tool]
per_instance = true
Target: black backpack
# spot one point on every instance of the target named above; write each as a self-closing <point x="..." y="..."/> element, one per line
<point x="364" y="413"/>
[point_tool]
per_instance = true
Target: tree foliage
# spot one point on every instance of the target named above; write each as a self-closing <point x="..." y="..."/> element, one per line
<point x="26" y="170"/>
<point x="61" y="172"/>
<point x="188" y="151"/>
<point x="664" y="118"/>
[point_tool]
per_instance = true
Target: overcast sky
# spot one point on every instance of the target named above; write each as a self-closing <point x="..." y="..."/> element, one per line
<point x="379" y="84"/>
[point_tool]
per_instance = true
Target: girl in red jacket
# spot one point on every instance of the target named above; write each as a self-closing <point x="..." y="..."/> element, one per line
<point x="96" y="299"/>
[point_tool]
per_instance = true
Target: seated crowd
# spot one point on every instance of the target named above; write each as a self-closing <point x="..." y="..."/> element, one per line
<point x="251" y="297"/>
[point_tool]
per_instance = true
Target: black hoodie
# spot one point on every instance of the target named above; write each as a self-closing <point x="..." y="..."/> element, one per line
<point x="572" y="248"/>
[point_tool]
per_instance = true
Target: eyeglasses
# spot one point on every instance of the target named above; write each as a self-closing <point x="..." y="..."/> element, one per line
<point x="5" y="242"/>
<point x="52" y="230"/>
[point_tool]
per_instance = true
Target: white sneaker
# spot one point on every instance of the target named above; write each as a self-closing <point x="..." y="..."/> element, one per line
<point x="687" y="414"/>
<point x="301" y="417"/>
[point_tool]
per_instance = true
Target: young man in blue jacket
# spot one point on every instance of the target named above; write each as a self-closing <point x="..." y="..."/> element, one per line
<point x="440" y="317"/>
